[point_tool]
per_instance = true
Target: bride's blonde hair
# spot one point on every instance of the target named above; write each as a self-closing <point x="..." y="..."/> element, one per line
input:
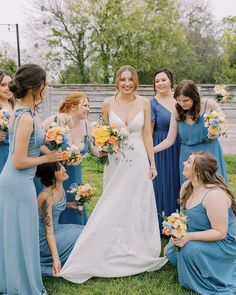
<point x="133" y="72"/>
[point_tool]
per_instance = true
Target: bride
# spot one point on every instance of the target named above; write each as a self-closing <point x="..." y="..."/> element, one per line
<point x="122" y="236"/>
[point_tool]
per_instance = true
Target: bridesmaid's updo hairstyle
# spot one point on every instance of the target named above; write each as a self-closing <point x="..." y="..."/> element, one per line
<point x="46" y="173"/>
<point x="168" y="74"/>
<point x="71" y="100"/>
<point x="28" y="77"/>
<point x="188" y="88"/>
<point x="133" y="74"/>
<point x="205" y="167"/>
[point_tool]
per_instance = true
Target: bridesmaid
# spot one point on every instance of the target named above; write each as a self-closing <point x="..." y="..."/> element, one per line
<point x="166" y="185"/>
<point x="207" y="258"/>
<point x="189" y="122"/>
<point x="19" y="243"/>
<point x="56" y="240"/>
<point x="76" y="107"/>
<point x="6" y="104"/>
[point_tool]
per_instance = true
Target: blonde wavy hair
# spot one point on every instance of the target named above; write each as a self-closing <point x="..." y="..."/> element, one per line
<point x="73" y="99"/>
<point x="134" y="75"/>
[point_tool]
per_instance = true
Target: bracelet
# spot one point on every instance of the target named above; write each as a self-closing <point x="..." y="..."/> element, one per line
<point x="153" y="168"/>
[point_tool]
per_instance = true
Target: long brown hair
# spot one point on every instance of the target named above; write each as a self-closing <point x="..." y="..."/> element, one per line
<point x="205" y="166"/>
<point x="188" y="88"/>
<point x="73" y="99"/>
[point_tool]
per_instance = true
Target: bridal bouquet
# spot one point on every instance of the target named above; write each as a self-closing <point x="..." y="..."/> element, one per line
<point x="4" y="120"/>
<point x="82" y="192"/>
<point x="58" y="134"/>
<point x="216" y="125"/>
<point x="175" y="225"/>
<point x="109" y="140"/>
<point x="71" y="156"/>
<point x="221" y="93"/>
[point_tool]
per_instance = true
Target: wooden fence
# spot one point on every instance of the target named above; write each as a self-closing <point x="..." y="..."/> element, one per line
<point x="98" y="92"/>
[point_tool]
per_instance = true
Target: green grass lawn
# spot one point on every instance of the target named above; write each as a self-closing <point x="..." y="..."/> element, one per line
<point x="163" y="282"/>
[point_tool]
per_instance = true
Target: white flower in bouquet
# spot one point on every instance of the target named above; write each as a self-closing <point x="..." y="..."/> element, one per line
<point x="124" y="132"/>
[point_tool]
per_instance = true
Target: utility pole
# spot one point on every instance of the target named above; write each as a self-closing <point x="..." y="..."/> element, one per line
<point x="17" y="39"/>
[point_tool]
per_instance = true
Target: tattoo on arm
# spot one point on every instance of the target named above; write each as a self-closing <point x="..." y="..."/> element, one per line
<point x="44" y="209"/>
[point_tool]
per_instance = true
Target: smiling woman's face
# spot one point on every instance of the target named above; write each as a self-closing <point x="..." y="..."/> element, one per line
<point x="4" y="90"/>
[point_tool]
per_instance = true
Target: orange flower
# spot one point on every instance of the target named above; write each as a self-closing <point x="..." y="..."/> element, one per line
<point x="113" y="139"/>
<point x="59" y="138"/>
<point x="177" y="233"/>
<point x="51" y="135"/>
<point x="65" y="155"/>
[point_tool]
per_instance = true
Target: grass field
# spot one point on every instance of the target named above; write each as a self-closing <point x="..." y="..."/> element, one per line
<point x="163" y="282"/>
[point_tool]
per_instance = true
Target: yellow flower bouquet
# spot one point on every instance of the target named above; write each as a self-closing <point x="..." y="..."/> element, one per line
<point x="82" y="193"/>
<point x="71" y="156"/>
<point x="109" y="140"/>
<point x="57" y="135"/>
<point x="175" y="226"/>
<point x="221" y="93"/>
<point x="216" y="125"/>
<point x="4" y="120"/>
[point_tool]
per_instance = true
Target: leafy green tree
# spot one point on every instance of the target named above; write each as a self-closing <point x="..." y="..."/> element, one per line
<point x="228" y="42"/>
<point x="8" y="64"/>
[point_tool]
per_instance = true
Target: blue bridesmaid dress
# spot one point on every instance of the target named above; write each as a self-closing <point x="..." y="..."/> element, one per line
<point x="70" y="215"/>
<point x="208" y="268"/>
<point x="194" y="139"/>
<point x="19" y="226"/>
<point x="4" y="150"/>
<point x="65" y="235"/>
<point x="166" y="184"/>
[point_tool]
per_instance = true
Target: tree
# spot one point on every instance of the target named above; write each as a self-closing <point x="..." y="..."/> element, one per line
<point x="8" y="65"/>
<point x="203" y="59"/>
<point x="228" y="43"/>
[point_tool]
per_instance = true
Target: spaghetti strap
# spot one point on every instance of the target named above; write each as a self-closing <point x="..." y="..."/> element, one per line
<point x="207" y="193"/>
<point x="205" y="105"/>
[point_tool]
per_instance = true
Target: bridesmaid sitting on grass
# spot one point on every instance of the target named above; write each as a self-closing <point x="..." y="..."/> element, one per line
<point x="56" y="240"/>
<point x="207" y="258"/>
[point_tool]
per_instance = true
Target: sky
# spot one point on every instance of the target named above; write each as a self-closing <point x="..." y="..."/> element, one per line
<point x="14" y="11"/>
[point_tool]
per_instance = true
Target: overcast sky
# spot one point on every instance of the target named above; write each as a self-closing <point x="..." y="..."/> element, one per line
<point x="13" y="11"/>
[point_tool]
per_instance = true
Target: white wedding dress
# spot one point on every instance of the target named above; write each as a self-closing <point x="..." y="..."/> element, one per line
<point x="122" y="235"/>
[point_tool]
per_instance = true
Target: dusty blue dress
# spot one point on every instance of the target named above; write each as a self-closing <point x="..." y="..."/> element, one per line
<point x="65" y="236"/>
<point x="19" y="242"/>
<point x="193" y="139"/>
<point x="166" y="184"/>
<point x="69" y="215"/>
<point x="4" y="150"/>
<point x="209" y="268"/>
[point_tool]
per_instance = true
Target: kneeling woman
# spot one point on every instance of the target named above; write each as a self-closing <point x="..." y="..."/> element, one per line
<point x="207" y="257"/>
<point x="56" y="240"/>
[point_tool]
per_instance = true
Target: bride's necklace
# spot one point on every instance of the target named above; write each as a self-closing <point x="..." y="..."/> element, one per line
<point x="124" y="101"/>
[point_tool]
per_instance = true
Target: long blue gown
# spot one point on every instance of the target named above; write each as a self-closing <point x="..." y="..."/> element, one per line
<point x="166" y="184"/>
<point x="4" y="150"/>
<point x="209" y="268"/>
<point x="65" y="236"/>
<point x="19" y="242"/>
<point x="193" y="139"/>
<point x="69" y="215"/>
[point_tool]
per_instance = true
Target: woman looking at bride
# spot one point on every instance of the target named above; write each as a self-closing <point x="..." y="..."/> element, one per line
<point x="122" y="236"/>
